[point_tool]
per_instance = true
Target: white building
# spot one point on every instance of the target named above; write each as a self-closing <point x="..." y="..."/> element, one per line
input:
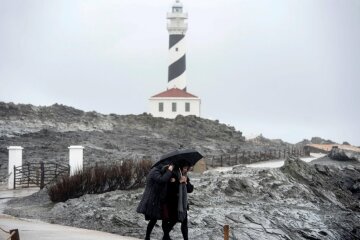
<point x="176" y="100"/>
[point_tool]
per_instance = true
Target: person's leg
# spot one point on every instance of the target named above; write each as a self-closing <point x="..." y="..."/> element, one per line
<point x="167" y="226"/>
<point x="184" y="229"/>
<point x="149" y="228"/>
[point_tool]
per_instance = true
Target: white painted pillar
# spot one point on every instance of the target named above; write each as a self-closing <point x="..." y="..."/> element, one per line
<point x="15" y="159"/>
<point x="76" y="161"/>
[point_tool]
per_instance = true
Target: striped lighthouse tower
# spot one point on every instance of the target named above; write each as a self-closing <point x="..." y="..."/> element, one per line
<point x="177" y="27"/>
<point x="176" y="100"/>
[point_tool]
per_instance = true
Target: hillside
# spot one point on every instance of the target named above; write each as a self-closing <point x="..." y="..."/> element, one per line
<point x="46" y="132"/>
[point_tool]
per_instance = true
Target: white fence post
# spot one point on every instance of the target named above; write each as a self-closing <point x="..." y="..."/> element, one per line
<point x="15" y="159"/>
<point x="76" y="161"/>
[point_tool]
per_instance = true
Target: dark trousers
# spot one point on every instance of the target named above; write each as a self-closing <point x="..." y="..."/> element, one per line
<point x="167" y="226"/>
<point x="185" y="229"/>
<point x="149" y="228"/>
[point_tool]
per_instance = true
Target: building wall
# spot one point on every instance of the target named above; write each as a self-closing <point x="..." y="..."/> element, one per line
<point x="180" y="109"/>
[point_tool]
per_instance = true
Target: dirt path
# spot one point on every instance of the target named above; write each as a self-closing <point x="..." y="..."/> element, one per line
<point x="37" y="230"/>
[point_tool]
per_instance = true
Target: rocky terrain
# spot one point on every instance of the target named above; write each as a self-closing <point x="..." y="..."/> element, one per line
<point x="345" y="154"/>
<point x="297" y="201"/>
<point x="314" y="140"/>
<point x="47" y="132"/>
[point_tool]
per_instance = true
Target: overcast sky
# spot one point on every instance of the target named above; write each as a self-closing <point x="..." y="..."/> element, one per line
<point x="288" y="69"/>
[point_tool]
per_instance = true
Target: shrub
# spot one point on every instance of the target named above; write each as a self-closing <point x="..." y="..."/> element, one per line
<point x="101" y="179"/>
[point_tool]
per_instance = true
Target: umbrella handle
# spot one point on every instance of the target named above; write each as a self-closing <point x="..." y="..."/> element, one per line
<point x="181" y="175"/>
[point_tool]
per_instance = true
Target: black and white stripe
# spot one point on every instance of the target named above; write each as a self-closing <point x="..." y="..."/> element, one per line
<point x="177" y="62"/>
<point x="177" y="27"/>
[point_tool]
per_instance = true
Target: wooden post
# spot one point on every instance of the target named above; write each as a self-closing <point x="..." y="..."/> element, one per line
<point x="226" y="232"/>
<point x="212" y="161"/>
<point x="28" y="172"/>
<point x="56" y="170"/>
<point x="37" y="177"/>
<point x="42" y="175"/>
<point x="14" y="234"/>
<point x="14" y="177"/>
<point x="237" y="160"/>
<point x="221" y="160"/>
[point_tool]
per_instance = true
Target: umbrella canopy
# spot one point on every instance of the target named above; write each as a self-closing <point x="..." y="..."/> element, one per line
<point x="178" y="157"/>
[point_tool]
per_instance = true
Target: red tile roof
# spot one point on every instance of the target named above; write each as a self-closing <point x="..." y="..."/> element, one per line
<point x="176" y="93"/>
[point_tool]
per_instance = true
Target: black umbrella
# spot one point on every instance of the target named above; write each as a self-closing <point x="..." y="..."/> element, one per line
<point x="179" y="156"/>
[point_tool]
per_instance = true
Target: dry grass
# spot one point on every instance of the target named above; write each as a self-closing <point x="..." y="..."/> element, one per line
<point x="101" y="179"/>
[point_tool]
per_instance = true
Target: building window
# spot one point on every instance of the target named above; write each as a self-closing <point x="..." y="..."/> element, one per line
<point x="173" y="106"/>
<point x="187" y="107"/>
<point x="177" y="9"/>
<point x="161" y="107"/>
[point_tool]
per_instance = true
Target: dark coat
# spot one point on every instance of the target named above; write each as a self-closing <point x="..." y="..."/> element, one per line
<point x="172" y="197"/>
<point x="154" y="193"/>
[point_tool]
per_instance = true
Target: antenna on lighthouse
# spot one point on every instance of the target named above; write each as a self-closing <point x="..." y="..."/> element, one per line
<point x="177" y="27"/>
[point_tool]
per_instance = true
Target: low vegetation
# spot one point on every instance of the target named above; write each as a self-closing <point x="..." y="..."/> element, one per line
<point x="100" y="179"/>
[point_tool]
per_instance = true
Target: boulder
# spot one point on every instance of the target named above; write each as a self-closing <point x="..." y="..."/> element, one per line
<point x="345" y="154"/>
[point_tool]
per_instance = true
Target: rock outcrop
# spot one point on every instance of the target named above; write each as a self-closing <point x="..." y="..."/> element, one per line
<point x="314" y="140"/>
<point x="345" y="153"/>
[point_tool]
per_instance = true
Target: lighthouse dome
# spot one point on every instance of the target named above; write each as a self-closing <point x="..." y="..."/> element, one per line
<point x="178" y="4"/>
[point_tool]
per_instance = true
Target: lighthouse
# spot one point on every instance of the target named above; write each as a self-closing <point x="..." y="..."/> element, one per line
<point x="177" y="27"/>
<point x="176" y="100"/>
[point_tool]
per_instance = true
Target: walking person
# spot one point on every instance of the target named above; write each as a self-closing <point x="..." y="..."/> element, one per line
<point x="176" y="203"/>
<point x="154" y="195"/>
